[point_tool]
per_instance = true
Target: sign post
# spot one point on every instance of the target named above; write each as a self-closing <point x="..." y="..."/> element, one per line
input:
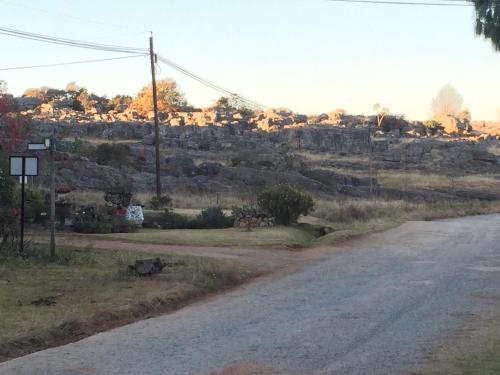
<point x="23" y="166"/>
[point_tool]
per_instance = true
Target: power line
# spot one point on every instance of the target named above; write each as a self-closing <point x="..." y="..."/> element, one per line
<point x="69" y="63"/>
<point x="114" y="48"/>
<point x="70" y="42"/>
<point x="65" y="15"/>
<point x="211" y="84"/>
<point x="418" y="3"/>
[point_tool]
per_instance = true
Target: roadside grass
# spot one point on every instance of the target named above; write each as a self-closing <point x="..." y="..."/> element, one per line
<point x="483" y="363"/>
<point x="275" y="237"/>
<point x="83" y="291"/>
<point x="350" y="218"/>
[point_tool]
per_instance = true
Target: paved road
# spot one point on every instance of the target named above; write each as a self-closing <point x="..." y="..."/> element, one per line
<point x="376" y="306"/>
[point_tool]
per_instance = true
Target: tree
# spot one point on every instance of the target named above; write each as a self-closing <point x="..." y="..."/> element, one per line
<point x="381" y="112"/>
<point x="285" y="203"/>
<point x="488" y="20"/>
<point x="170" y="98"/>
<point x="223" y="102"/>
<point x="447" y="102"/>
<point x="73" y="87"/>
<point x="3" y="86"/>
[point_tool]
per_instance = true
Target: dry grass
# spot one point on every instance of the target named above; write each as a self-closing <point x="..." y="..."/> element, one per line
<point x="86" y="286"/>
<point x="352" y="217"/>
<point x="412" y="180"/>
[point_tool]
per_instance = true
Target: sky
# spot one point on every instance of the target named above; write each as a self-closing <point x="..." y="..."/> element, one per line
<point x="310" y="56"/>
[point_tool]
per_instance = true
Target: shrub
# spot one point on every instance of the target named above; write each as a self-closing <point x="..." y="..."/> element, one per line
<point x="160" y="202"/>
<point x="285" y="203"/>
<point x="172" y="220"/>
<point x="113" y="154"/>
<point x="35" y="205"/>
<point x="393" y="123"/>
<point x="214" y="217"/>
<point x="90" y="220"/>
<point x="432" y="126"/>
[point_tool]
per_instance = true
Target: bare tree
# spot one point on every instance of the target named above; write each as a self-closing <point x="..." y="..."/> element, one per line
<point x="381" y="112"/>
<point x="447" y="102"/>
<point x="3" y="87"/>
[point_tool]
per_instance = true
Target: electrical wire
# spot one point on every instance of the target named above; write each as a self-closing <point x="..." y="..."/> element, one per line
<point x="69" y="63"/>
<point x="65" y="15"/>
<point x="114" y="48"/>
<point x="418" y="3"/>
<point x="248" y="102"/>
<point x="70" y="42"/>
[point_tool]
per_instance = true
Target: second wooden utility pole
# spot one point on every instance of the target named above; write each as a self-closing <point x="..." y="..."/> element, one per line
<point x="155" y="109"/>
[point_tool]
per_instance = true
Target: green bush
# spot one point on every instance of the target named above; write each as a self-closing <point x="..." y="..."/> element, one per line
<point x="8" y="202"/>
<point x="35" y="206"/>
<point x="285" y="203"/>
<point x="214" y="217"/>
<point x="172" y="220"/>
<point x="113" y="154"/>
<point x="392" y="122"/>
<point x="90" y="220"/>
<point x="432" y="126"/>
<point x="163" y="201"/>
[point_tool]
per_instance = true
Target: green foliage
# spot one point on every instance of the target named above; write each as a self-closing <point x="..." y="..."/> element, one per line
<point x="393" y="123"/>
<point x="210" y="218"/>
<point x="8" y="201"/>
<point x="214" y="217"/>
<point x="35" y="204"/>
<point x="285" y="203"/>
<point x="91" y="220"/>
<point x="113" y="154"/>
<point x="163" y="201"/>
<point x="432" y="126"/>
<point x="488" y="20"/>
<point x="172" y="220"/>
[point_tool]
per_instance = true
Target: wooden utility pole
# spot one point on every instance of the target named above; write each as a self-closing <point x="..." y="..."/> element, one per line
<point x="155" y="109"/>
<point x="52" y="195"/>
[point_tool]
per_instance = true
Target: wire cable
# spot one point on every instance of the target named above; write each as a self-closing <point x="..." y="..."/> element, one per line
<point x="418" y="3"/>
<point x="69" y="63"/>
<point x="250" y="103"/>
<point x="70" y="42"/>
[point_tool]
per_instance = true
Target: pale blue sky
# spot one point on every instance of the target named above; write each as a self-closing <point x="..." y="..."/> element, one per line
<point x="307" y="55"/>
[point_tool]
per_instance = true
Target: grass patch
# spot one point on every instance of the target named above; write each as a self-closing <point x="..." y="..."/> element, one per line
<point x="352" y="217"/>
<point x="484" y="363"/>
<point x="279" y="236"/>
<point x="48" y="302"/>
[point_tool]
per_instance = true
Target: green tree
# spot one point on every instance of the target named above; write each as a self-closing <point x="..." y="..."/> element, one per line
<point x="285" y="203"/>
<point x="488" y="20"/>
<point x="8" y="225"/>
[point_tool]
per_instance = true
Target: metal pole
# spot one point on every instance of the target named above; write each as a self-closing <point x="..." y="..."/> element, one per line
<point x="21" y="245"/>
<point x="155" y="109"/>
<point x="52" y="197"/>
